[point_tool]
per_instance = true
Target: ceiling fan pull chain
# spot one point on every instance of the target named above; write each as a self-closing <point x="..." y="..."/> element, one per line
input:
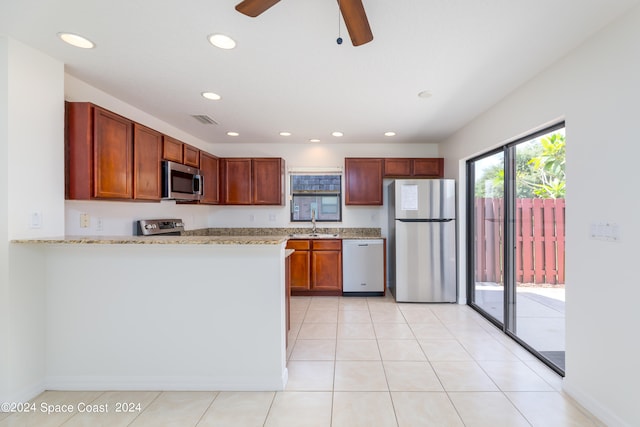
<point x="339" y="39"/>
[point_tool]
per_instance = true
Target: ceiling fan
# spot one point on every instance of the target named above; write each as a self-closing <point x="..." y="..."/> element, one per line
<point x="352" y="11"/>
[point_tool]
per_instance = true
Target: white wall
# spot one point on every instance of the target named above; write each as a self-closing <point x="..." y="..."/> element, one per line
<point x="32" y="136"/>
<point x="5" y="387"/>
<point x="116" y="218"/>
<point x="596" y="90"/>
<point x="36" y="142"/>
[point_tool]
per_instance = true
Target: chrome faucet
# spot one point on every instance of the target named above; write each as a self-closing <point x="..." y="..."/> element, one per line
<point x="313" y="221"/>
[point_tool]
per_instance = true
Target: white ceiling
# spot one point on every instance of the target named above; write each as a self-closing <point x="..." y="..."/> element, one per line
<point x="288" y="73"/>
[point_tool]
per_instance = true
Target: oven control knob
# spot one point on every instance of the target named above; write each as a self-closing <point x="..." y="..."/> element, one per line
<point x="150" y="226"/>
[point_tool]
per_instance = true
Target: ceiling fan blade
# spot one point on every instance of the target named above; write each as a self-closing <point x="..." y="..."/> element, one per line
<point x="254" y="8"/>
<point x="355" y="18"/>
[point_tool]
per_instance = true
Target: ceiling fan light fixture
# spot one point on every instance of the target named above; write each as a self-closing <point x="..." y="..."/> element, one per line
<point x="211" y="96"/>
<point x="337" y="134"/>
<point x="285" y="133"/>
<point x="76" y="40"/>
<point x="231" y="133"/>
<point x="389" y="134"/>
<point x="222" y="41"/>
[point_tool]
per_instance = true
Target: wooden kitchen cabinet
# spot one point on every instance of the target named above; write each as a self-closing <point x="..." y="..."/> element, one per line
<point x="236" y="181"/>
<point x="172" y="149"/>
<point x="98" y="154"/>
<point x="267" y="181"/>
<point x="257" y="181"/>
<point x="428" y="168"/>
<point x="210" y="169"/>
<point x="300" y="265"/>
<point x="190" y="156"/>
<point x="316" y="267"/>
<point x="326" y="266"/>
<point x="147" y="153"/>
<point x="413" y="168"/>
<point x="363" y="181"/>
<point x="398" y="168"/>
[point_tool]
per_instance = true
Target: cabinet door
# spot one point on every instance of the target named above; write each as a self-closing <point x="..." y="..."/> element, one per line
<point x="147" y="151"/>
<point x="236" y="181"/>
<point x="326" y="274"/>
<point x="428" y="168"/>
<point x="78" y="151"/>
<point x="397" y="168"/>
<point x="112" y="155"/>
<point x="171" y="149"/>
<point x="300" y="270"/>
<point x="363" y="181"/>
<point x="209" y="167"/>
<point x="267" y="181"/>
<point x="190" y="156"/>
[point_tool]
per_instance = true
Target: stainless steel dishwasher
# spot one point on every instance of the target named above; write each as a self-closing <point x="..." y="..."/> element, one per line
<point x="363" y="267"/>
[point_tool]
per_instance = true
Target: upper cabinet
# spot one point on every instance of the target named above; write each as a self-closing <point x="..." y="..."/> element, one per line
<point x="363" y="176"/>
<point x="210" y="169"/>
<point x="171" y="149"/>
<point x="190" y="156"/>
<point x="257" y="181"/>
<point x="99" y="153"/>
<point x="267" y="181"/>
<point x="236" y="181"/>
<point x="363" y="181"/>
<point x="147" y="153"/>
<point x="413" y="168"/>
<point x="178" y="151"/>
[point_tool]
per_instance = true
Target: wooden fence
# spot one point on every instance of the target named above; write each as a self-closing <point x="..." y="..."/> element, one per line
<point x="539" y="240"/>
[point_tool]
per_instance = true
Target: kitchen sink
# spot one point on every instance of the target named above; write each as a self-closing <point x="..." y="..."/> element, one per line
<point x="314" y="235"/>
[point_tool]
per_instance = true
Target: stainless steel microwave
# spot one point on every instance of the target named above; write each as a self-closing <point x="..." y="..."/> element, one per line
<point x="181" y="182"/>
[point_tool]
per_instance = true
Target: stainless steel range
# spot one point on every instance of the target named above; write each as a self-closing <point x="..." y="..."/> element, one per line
<point x="158" y="227"/>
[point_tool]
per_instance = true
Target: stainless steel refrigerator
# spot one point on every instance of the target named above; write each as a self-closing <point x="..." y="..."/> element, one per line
<point x="422" y="240"/>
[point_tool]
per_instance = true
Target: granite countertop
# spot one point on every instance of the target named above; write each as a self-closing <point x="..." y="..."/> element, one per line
<point x="341" y="233"/>
<point x="161" y="240"/>
<point x="211" y="236"/>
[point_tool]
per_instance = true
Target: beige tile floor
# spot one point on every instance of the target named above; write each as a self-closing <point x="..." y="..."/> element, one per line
<point x="361" y="362"/>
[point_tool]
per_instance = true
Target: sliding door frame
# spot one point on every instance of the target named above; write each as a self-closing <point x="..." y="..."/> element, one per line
<point x="509" y="244"/>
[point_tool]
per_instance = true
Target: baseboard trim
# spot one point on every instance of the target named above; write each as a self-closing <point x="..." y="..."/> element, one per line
<point x="135" y="383"/>
<point x="593" y="406"/>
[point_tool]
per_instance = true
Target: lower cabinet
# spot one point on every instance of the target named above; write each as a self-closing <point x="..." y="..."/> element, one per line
<point x="316" y="267"/>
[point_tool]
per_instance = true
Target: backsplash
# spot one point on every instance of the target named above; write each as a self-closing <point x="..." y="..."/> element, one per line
<point x="261" y="231"/>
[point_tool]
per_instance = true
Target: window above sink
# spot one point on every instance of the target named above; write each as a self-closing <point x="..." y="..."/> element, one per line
<point x="316" y="195"/>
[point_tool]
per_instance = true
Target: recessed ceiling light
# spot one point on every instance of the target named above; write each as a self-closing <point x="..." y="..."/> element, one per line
<point x="425" y="94"/>
<point x="233" y="134"/>
<point x="285" y="133"/>
<point x="337" y="134"/>
<point x="389" y="134"/>
<point x="76" y="40"/>
<point x="222" y="41"/>
<point x="212" y="96"/>
<point x="314" y="140"/>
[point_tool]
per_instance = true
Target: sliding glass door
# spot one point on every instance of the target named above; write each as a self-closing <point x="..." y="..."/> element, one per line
<point x="516" y="234"/>
<point x="488" y="220"/>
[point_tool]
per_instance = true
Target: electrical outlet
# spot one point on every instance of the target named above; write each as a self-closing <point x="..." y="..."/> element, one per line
<point x="272" y="217"/>
<point x="35" y="219"/>
<point x="252" y="218"/>
<point x="85" y="220"/>
<point x="99" y="224"/>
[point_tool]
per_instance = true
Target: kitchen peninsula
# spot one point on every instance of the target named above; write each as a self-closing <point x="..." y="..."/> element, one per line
<point x="164" y="313"/>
